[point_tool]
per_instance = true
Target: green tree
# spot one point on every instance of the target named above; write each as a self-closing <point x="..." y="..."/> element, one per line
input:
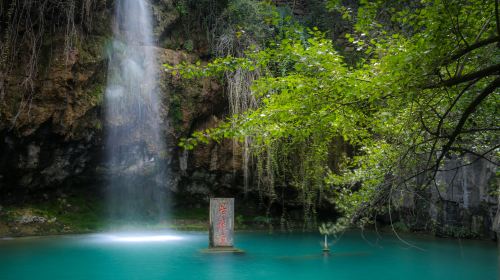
<point x="422" y="90"/>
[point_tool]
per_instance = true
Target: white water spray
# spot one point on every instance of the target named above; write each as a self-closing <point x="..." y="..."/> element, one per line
<point x="135" y="146"/>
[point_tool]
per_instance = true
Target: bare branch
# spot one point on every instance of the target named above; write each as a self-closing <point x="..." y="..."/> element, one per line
<point x="483" y="156"/>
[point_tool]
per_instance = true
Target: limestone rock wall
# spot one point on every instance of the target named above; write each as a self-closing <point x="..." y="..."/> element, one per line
<point x="462" y="203"/>
<point x="52" y="131"/>
<point x="469" y="195"/>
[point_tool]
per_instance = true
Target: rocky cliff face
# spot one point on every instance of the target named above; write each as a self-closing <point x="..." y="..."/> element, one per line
<point x="52" y="131"/>
<point x="462" y="203"/>
<point x="59" y="116"/>
<point x="466" y="197"/>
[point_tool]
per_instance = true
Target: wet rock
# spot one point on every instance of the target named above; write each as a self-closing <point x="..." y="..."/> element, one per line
<point x="183" y="161"/>
<point x="26" y="180"/>
<point x="463" y="203"/>
<point x="198" y="188"/>
<point x="31" y="157"/>
<point x="31" y="219"/>
<point x="56" y="172"/>
<point x="477" y="224"/>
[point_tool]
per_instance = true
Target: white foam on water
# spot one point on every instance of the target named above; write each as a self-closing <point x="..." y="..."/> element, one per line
<point x="153" y="238"/>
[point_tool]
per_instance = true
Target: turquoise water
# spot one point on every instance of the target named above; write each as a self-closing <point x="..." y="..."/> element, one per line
<point x="176" y="255"/>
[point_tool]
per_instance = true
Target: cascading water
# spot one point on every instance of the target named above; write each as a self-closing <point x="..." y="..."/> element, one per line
<point x="135" y="147"/>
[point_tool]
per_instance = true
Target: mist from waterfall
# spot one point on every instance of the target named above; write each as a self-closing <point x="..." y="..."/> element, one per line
<point x="135" y="149"/>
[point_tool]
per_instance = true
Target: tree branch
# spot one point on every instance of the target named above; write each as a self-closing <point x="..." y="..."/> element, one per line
<point x="497" y="17"/>
<point x="472" y="47"/>
<point x="483" y="156"/>
<point x="494" y="69"/>
<point x="468" y="111"/>
<point x="474" y="130"/>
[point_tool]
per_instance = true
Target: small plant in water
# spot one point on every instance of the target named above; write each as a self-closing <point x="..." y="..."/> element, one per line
<point x="334" y="229"/>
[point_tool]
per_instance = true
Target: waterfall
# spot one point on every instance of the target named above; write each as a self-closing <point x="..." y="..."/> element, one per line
<point x="135" y="148"/>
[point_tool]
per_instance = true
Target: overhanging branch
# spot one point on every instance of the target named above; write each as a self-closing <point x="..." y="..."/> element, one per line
<point x="472" y="47"/>
<point x="465" y="116"/>
<point x="488" y="71"/>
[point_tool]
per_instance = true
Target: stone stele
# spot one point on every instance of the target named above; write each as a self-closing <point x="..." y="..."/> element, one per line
<point x="221" y="229"/>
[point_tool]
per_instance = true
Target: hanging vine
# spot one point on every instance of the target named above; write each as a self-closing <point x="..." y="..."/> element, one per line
<point x="278" y="163"/>
<point x="26" y="25"/>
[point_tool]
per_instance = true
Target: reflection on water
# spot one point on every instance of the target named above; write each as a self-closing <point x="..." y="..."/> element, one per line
<point x="142" y="238"/>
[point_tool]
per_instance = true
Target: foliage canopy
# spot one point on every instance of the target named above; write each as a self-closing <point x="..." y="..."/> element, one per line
<point x="424" y="88"/>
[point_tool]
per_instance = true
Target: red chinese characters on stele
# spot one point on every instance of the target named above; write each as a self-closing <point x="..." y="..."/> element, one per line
<point x="221" y="224"/>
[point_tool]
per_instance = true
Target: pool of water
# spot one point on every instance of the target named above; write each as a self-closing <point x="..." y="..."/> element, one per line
<point x="177" y="255"/>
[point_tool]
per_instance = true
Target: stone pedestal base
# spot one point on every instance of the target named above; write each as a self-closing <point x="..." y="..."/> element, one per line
<point x="222" y="250"/>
